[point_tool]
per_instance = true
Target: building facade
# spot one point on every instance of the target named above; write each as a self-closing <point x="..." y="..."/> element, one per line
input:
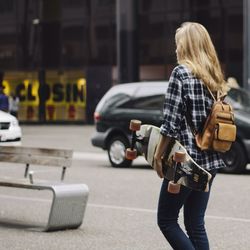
<point x="59" y="57"/>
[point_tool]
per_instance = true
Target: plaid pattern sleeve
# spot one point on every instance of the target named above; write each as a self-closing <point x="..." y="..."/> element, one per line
<point x="186" y="93"/>
<point x="173" y="107"/>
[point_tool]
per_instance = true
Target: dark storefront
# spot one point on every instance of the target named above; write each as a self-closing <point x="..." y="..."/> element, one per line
<point x="60" y="56"/>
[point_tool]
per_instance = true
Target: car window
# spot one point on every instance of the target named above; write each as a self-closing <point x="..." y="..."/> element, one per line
<point x="115" y="100"/>
<point x="144" y="96"/>
<point x="151" y="90"/>
<point x="113" y="95"/>
<point x="149" y="102"/>
<point x="239" y="98"/>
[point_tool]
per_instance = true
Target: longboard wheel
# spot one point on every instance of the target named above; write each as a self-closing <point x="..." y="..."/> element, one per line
<point x="179" y="157"/>
<point x="135" y="125"/>
<point x="173" y="188"/>
<point x="131" y="154"/>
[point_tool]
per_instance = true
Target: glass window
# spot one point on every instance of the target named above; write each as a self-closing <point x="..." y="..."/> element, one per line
<point x="74" y="45"/>
<point x="148" y="103"/>
<point x="152" y="5"/>
<point x="106" y="3"/>
<point x="74" y="3"/>
<point x="223" y="19"/>
<point x="151" y="41"/>
<point x="6" y="6"/>
<point x="101" y="8"/>
<point x="239" y="98"/>
<point x="116" y="100"/>
<point x="152" y="89"/>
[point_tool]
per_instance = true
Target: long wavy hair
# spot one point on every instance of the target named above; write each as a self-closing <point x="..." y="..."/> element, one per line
<point x="195" y="49"/>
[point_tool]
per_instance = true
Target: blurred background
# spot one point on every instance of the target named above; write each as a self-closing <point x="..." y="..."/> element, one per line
<point x="60" y="57"/>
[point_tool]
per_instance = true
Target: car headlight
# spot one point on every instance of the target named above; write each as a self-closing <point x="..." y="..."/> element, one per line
<point x="14" y="122"/>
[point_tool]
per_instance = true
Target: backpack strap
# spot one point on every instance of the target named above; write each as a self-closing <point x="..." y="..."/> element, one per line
<point x="190" y="122"/>
<point x="188" y="114"/>
<point x="217" y="94"/>
<point x="222" y="96"/>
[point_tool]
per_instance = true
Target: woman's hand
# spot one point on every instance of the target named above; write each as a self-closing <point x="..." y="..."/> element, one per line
<point x="158" y="166"/>
<point x="159" y="152"/>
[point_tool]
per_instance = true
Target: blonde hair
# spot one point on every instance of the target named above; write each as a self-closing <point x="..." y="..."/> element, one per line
<point x="196" y="50"/>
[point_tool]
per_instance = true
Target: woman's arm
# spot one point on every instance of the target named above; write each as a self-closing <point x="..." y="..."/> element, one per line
<point x="159" y="152"/>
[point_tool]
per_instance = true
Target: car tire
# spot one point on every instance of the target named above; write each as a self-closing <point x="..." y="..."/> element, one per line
<point x="116" y="152"/>
<point x="235" y="159"/>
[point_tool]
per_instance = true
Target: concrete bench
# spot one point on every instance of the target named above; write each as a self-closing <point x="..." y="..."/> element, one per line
<point x="69" y="199"/>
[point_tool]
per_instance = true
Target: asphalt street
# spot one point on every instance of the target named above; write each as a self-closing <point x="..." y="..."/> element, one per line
<point x="121" y="210"/>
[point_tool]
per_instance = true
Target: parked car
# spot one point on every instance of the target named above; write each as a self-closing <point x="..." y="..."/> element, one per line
<point x="239" y="155"/>
<point x="144" y="101"/>
<point x="10" y="131"/>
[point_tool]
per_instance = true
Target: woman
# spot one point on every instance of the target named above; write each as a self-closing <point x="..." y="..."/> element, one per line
<point x="13" y="105"/>
<point x="198" y="68"/>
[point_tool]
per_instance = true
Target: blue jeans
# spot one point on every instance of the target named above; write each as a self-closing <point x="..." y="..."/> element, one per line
<point x="195" y="204"/>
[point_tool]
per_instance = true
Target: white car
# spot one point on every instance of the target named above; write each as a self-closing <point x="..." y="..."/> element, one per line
<point x="10" y="131"/>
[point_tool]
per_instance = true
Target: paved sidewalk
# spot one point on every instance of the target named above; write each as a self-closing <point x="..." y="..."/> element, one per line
<point x="121" y="211"/>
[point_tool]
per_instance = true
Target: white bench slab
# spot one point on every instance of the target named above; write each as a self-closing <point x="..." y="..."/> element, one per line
<point x="69" y="199"/>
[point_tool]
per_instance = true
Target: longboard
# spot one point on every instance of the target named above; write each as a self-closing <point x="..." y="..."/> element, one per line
<point x="178" y="165"/>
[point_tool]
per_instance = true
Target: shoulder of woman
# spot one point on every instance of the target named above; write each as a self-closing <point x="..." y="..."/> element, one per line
<point x="182" y="72"/>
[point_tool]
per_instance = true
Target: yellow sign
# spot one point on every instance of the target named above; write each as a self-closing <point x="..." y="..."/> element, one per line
<point x="65" y="97"/>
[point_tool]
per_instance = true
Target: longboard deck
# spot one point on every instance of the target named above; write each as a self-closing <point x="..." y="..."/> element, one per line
<point x="189" y="174"/>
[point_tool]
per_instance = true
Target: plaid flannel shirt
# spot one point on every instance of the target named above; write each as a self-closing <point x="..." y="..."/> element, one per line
<point x="186" y="90"/>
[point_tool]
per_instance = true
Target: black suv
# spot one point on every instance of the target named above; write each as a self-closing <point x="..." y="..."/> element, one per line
<point x="144" y="101"/>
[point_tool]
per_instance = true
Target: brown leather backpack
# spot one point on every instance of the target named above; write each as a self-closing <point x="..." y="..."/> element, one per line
<point x="219" y="131"/>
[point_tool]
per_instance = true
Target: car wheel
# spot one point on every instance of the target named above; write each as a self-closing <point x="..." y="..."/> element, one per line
<point x="116" y="152"/>
<point x="235" y="159"/>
